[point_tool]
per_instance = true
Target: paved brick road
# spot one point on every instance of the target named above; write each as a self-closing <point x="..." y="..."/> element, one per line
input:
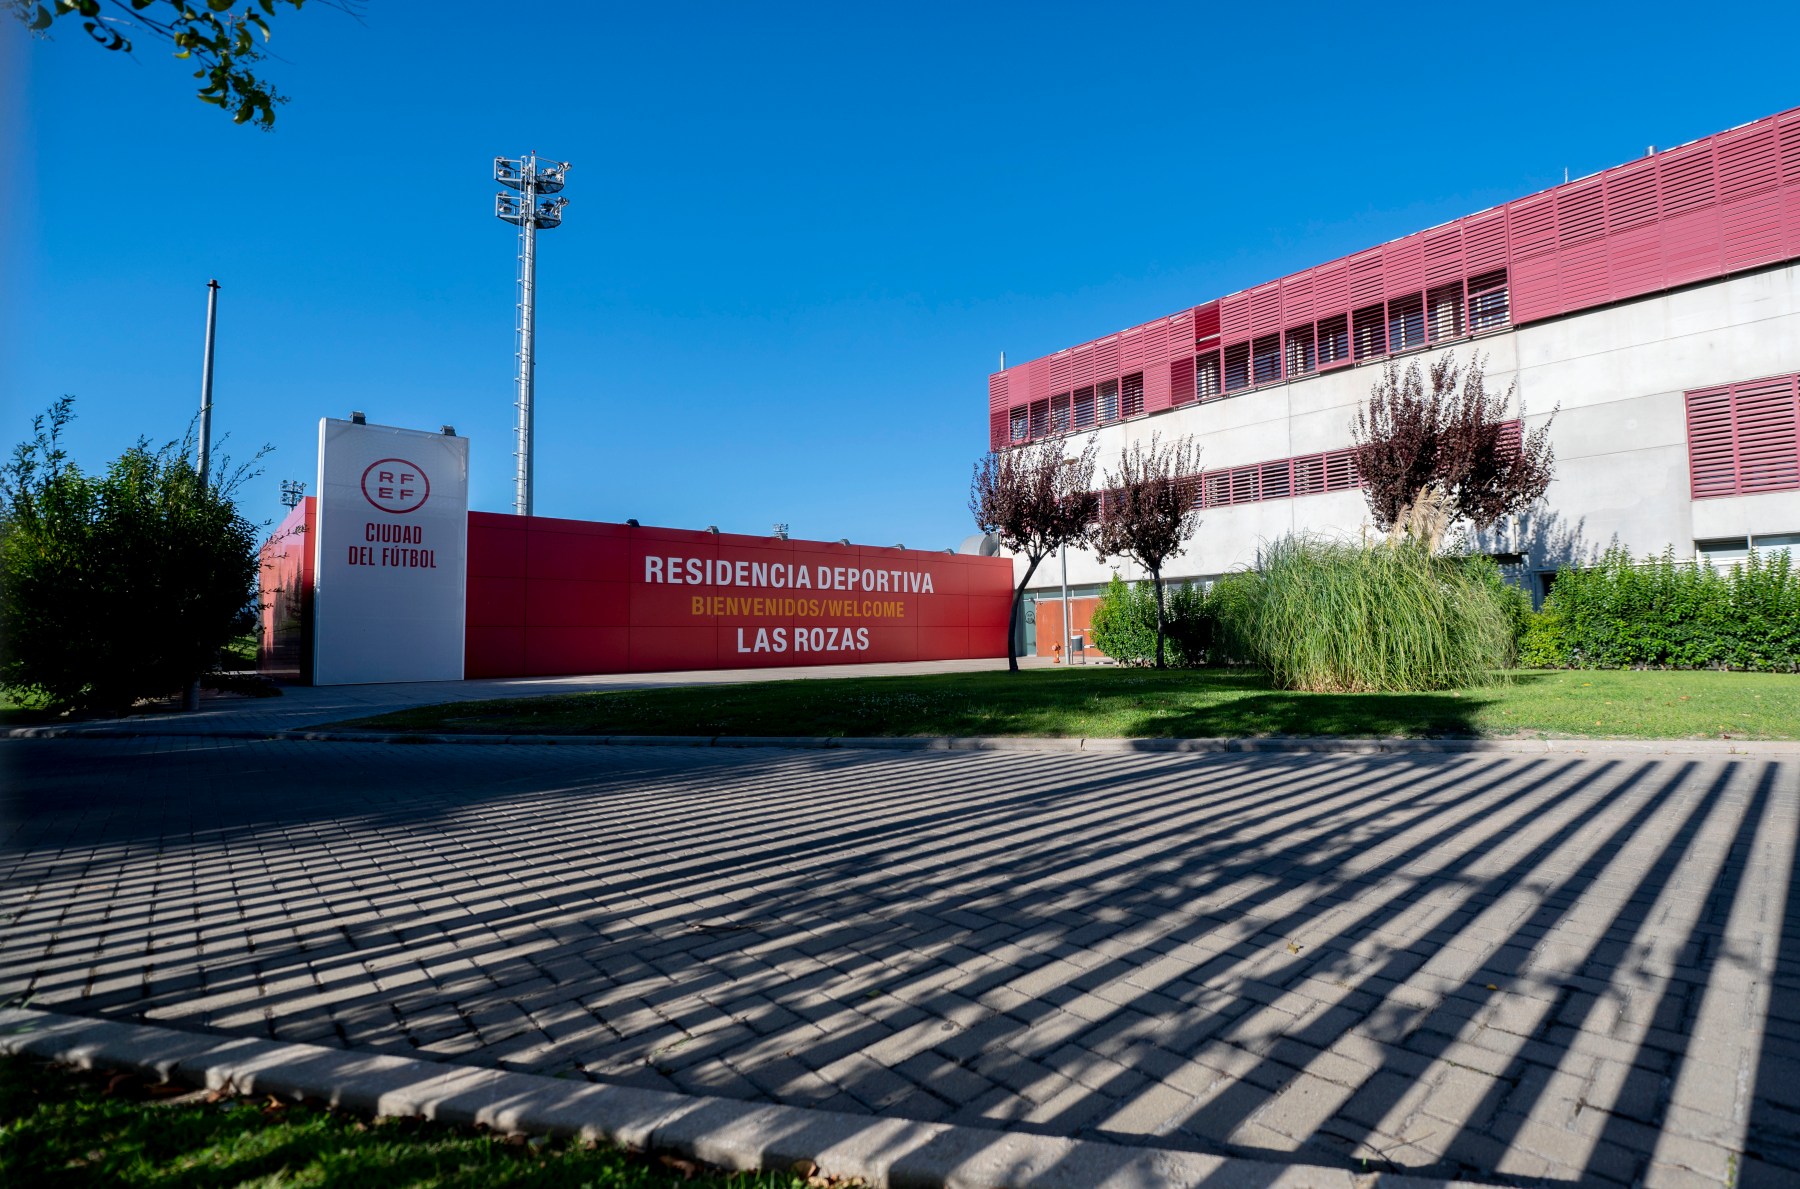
<point x="1579" y="970"/>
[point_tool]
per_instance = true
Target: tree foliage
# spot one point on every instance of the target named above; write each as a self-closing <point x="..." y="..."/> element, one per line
<point x="117" y="586"/>
<point x="218" y="36"/>
<point x="1124" y="624"/>
<point x="1034" y="500"/>
<point x="1149" y="509"/>
<point x="1435" y="450"/>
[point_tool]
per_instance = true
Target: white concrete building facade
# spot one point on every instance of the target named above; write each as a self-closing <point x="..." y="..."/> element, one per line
<point x="1655" y="308"/>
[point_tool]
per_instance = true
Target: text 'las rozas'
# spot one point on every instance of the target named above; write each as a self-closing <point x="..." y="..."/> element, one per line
<point x="804" y="640"/>
<point x="780" y="575"/>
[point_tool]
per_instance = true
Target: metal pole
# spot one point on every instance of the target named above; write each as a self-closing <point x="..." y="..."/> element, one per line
<point x="206" y="370"/>
<point x="527" y="330"/>
<point x="191" y="698"/>
<point x="1068" y="636"/>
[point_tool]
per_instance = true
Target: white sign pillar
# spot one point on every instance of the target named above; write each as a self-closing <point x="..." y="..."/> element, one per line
<point x="391" y="553"/>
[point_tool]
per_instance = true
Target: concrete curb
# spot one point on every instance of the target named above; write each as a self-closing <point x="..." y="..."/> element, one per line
<point x="885" y="1153"/>
<point x="1301" y="744"/>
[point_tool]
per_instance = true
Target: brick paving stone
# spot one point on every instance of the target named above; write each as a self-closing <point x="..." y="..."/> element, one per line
<point x="1499" y="965"/>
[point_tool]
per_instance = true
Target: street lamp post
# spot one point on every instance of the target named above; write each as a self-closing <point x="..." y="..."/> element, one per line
<point x="526" y="209"/>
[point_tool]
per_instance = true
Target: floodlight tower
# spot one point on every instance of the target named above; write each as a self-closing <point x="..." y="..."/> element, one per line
<point x="529" y="211"/>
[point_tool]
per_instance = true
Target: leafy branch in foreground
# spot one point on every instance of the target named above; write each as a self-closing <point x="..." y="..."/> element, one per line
<point x="218" y="36"/>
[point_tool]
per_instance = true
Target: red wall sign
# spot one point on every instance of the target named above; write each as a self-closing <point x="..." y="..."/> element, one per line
<point x="548" y="597"/>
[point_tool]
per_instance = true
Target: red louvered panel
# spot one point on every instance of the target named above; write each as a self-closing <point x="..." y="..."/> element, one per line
<point x="1752" y="231"/>
<point x="1531" y="226"/>
<point x="1747" y="161"/>
<point x="1331" y="288"/>
<point x="1768" y="444"/>
<point x="997" y="429"/>
<point x="1580" y="213"/>
<point x="1712" y="464"/>
<point x="1062" y="370"/>
<point x="1106" y="358"/>
<point x="1156" y="348"/>
<point x="1081" y="367"/>
<point x="1037" y="380"/>
<point x="1535" y="293"/>
<point x="1206" y="320"/>
<point x="998" y="383"/>
<point x="1631" y="196"/>
<point x="1787" y="148"/>
<point x="1365" y="277"/>
<point x="1583" y="277"/>
<point x="1265" y="308"/>
<point x="1686" y="177"/>
<point x="1691" y="248"/>
<point x="1234" y="316"/>
<point x="1444" y="254"/>
<point x="1484" y="241"/>
<point x="1181" y="381"/>
<point x="1309" y="474"/>
<point x="1181" y="335"/>
<point x="1297" y="298"/>
<point x="1403" y="265"/>
<point x="1635" y="261"/>
<point x="1790" y="220"/>
<point x="1131" y="349"/>
<point x="1156" y="385"/>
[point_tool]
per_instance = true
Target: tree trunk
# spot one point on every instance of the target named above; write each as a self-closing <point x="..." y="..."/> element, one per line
<point x="1012" y="625"/>
<point x="1156" y="581"/>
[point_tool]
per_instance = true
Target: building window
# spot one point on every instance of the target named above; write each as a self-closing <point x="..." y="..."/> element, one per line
<point x="1406" y="323"/>
<point x="1040" y="418"/>
<point x="1302" y="356"/>
<point x="1207" y="382"/>
<point x="1059" y="413"/>
<point x="1237" y="367"/>
<point x="1021" y="426"/>
<point x="1265" y="359"/>
<point x="1444" y="305"/>
<point x="1334" y="340"/>
<point x="1722" y="553"/>
<point x="1084" y="408"/>
<point x="1488" y="309"/>
<point x="1132" y="395"/>
<point x="1109" y="401"/>
<point x="1370" y="335"/>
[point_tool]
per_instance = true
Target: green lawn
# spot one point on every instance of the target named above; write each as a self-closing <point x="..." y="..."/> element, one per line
<point x="1104" y="701"/>
<point x="61" y="1127"/>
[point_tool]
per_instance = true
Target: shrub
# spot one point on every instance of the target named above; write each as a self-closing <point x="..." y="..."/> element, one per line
<point x="1124" y="623"/>
<point x="1672" y="614"/>
<point x="1345" y="618"/>
<point x="117" y="586"/>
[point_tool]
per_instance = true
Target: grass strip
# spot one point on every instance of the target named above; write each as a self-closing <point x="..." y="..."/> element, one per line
<point x="1112" y="702"/>
<point x="60" y="1126"/>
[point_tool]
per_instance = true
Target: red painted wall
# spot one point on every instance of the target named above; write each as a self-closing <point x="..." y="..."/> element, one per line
<point x="549" y="597"/>
<point x="285" y="578"/>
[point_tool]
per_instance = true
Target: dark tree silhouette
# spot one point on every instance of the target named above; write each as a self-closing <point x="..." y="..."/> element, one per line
<point x="1035" y="500"/>
<point x="1148" y="510"/>
<point x="1438" y="449"/>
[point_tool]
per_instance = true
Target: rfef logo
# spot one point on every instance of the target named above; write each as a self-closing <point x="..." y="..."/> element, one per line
<point x="395" y="485"/>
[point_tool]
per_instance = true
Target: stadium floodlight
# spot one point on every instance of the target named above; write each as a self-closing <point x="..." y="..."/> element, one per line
<point x="292" y="492"/>
<point x="530" y="177"/>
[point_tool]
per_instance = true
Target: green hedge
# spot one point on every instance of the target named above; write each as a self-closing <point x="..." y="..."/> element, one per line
<point x="1124" y="624"/>
<point x="1670" y="614"/>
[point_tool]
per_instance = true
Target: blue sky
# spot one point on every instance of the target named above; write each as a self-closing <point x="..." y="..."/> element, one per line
<point x="798" y="236"/>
